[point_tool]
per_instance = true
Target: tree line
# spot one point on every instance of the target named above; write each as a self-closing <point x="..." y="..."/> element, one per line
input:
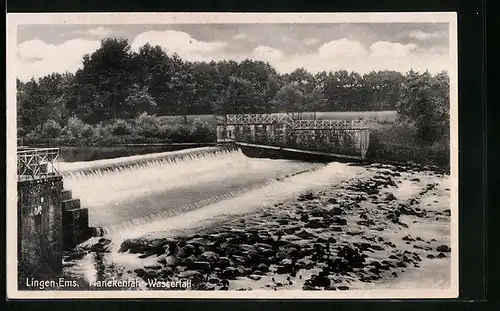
<point x="116" y="84"/>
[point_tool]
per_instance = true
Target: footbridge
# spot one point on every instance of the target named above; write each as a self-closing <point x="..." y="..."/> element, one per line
<point x="49" y="220"/>
<point x="290" y="133"/>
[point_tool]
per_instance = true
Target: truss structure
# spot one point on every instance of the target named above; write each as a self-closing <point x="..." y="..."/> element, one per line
<point x="329" y="125"/>
<point x="242" y="119"/>
<point x="280" y="118"/>
<point x="33" y="163"/>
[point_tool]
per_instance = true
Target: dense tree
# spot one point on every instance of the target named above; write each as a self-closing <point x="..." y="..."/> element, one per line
<point x="116" y="83"/>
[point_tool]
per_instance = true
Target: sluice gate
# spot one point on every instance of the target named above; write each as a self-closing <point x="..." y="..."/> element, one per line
<point x="337" y="138"/>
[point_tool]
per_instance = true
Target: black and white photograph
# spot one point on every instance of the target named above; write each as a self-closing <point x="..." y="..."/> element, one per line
<point x="232" y="155"/>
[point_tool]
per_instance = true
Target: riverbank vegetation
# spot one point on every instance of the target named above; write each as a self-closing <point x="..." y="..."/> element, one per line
<point x="121" y="96"/>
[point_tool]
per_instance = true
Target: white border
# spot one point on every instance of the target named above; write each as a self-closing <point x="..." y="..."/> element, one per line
<point x="222" y="18"/>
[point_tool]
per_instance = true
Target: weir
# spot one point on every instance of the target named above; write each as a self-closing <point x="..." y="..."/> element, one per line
<point x="124" y="192"/>
<point x="334" y="138"/>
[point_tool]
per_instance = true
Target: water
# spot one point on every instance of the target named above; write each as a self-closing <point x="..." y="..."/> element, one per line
<point x="79" y="154"/>
<point x="152" y="187"/>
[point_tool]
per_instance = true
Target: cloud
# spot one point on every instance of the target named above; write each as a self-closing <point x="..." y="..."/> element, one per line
<point x="266" y="53"/>
<point x="37" y="58"/>
<point x="240" y="36"/>
<point x="390" y="49"/>
<point x="421" y="35"/>
<point x="96" y="32"/>
<point x="311" y="41"/>
<point x="177" y="42"/>
<point x="342" y="48"/>
<point x="350" y="55"/>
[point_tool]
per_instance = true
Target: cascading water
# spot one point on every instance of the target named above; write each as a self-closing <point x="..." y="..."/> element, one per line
<point x="176" y="192"/>
<point x="131" y="191"/>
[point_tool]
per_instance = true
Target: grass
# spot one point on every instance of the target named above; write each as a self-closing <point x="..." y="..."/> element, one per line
<point x="179" y="119"/>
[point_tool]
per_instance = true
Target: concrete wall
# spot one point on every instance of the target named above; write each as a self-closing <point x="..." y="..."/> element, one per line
<point x="40" y="227"/>
<point x="342" y="142"/>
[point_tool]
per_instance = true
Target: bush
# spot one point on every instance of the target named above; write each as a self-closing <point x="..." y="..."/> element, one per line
<point x="148" y="125"/>
<point x="201" y="131"/>
<point x="51" y="129"/>
<point x="88" y="131"/>
<point x="101" y="131"/>
<point x="74" y="127"/>
<point x="179" y="133"/>
<point x="121" y="127"/>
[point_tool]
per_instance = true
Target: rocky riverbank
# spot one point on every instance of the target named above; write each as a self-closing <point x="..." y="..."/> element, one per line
<point x="386" y="224"/>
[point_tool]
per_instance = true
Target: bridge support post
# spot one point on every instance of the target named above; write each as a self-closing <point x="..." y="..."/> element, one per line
<point x="40" y="228"/>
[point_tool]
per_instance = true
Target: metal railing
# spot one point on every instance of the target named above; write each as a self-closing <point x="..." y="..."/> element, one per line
<point x="34" y="163"/>
<point x="295" y="124"/>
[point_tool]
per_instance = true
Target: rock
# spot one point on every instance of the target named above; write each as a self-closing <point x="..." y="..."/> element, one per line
<point x="336" y="211"/>
<point x="202" y="266"/>
<point x="229" y="273"/>
<point x="316" y="224"/>
<point x="343" y="287"/>
<point x="318" y="212"/>
<point x="140" y="272"/>
<point x="308" y="196"/>
<point x="401" y="264"/>
<point x="186" y="251"/>
<point x="366" y="223"/>
<point x="408" y="238"/>
<point x="75" y="256"/>
<point x="290" y="230"/>
<point x="441" y="255"/>
<point x="208" y="256"/>
<point x="166" y="271"/>
<point x="215" y="281"/>
<point x="150" y="274"/>
<point x="263" y="267"/>
<point x="443" y="249"/>
<point x="332" y="200"/>
<point x="285" y="269"/>
<point x="305" y="235"/>
<point x="286" y="261"/>
<point x="133" y="246"/>
<point x="339" y="221"/>
<point x="254" y="277"/>
<point x="430" y="256"/>
<point x="188" y="274"/>
<point x="153" y="266"/>
<point x="318" y="281"/>
<point x="390" y="197"/>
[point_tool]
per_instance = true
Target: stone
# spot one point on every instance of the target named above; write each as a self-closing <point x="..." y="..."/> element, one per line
<point x="75" y="256"/>
<point x="133" y="246"/>
<point x="140" y="272"/>
<point x="305" y="235"/>
<point x="186" y="251"/>
<point x="202" y="266"/>
<point x="190" y="274"/>
<point x="254" y="277"/>
<point x="441" y="255"/>
<point x="337" y="211"/>
<point x="208" y="256"/>
<point x="443" y="249"/>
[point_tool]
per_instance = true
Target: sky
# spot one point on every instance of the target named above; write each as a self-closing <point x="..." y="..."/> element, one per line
<point x="358" y="47"/>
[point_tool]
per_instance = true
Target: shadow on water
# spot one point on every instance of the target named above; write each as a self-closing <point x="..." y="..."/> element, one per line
<point x="77" y="154"/>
